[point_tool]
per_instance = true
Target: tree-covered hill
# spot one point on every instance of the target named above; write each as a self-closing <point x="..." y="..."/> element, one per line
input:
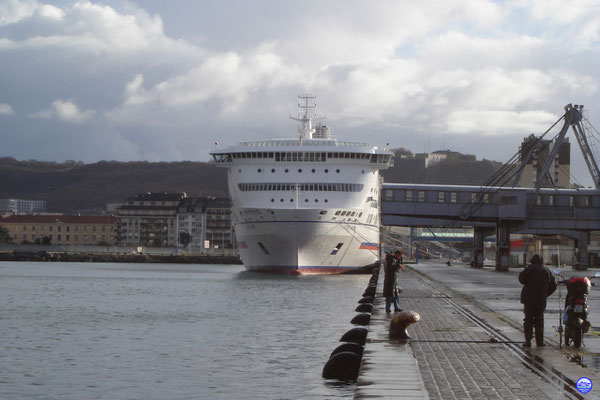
<point x="71" y="186"/>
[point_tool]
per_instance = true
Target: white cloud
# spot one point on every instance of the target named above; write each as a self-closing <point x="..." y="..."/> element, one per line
<point x="65" y="110"/>
<point x="13" y="11"/>
<point x="230" y="77"/>
<point x="6" y="109"/>
<point x="101" y="30"/>
<point x="497" y="122"/>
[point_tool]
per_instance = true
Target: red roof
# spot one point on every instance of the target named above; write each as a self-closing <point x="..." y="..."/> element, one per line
<point x="67" y="219"/>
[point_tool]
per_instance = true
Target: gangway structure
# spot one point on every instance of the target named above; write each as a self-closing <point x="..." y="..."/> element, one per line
<point x="499" y="207"/>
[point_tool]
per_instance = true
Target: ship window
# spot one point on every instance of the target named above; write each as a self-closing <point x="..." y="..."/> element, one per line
<point x="336" y="249"/>
<point x="323" y="212"/>
<point x="337" y="212"/>
<point x="359" y="215"/>
<point x="263" y="248"/>
<point x="353" y="213"/>
<point x="343" y="213"/>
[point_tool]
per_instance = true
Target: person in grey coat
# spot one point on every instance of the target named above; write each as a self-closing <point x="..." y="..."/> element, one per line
<point x="538" y="283"/>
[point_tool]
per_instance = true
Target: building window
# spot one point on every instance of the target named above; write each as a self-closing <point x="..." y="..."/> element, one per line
<point x="409" y="195"/>
<point x="571" y="201"/>
<point x="551" y="200"/>
<point x="539" y="200"/>
<point x="388" y="195"/>
<point x="441" y="197"/>
<point x="420" y="196"/>
<point x="453" y="197"/>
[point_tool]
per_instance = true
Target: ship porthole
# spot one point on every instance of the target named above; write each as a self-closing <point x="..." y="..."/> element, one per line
<point x="337" y="171"/>
<point x="312" y="170"/>
<point x="273" y="170"/>
<point x="326" y="171"/>
<point x="272" y="200"/>
<point x="259" y="170"/>
<point x="287" y="170"/>
<point x="281" y="200"/>
<point x="326" y="201"/>
<point x="306" y="200"/>
<point x="299" y="170"/>
<point x="291" y="200"/>
<point x="316" y="200"/>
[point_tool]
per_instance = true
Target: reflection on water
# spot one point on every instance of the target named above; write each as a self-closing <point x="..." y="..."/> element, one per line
<point x="118" y="331"/>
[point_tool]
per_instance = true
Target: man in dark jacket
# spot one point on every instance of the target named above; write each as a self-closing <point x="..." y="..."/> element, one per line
<point x="390" y="269"/>
<point x="538" y="283"/>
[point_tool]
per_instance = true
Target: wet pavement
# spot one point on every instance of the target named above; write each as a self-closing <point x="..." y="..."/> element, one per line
<point x="468" y="342"/>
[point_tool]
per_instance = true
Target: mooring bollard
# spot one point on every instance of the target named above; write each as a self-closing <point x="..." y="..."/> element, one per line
<point x="401" y="321"/>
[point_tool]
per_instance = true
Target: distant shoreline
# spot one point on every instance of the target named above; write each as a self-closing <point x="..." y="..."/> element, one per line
<point x="116" y="258"/>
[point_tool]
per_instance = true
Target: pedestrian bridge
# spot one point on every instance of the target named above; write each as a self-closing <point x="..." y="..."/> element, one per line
<point x="495" y="210"/>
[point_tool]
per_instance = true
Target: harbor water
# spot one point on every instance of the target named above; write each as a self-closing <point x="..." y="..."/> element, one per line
<point x="169" y="331"/>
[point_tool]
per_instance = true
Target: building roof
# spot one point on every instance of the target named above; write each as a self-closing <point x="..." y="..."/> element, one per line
<point x="219" y="202"/>
<point x="158" y="196"/>
<point x="67" y="219"/>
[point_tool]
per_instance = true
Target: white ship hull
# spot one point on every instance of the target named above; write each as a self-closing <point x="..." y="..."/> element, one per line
<point x="307" y="205"/>
<point x="307" y="247"/>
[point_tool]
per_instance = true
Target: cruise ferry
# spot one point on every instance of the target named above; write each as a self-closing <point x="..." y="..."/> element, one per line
<point x="305" y="205"/>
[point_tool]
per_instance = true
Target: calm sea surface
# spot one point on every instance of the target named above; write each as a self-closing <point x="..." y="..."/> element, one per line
<point x="169" y="331"/>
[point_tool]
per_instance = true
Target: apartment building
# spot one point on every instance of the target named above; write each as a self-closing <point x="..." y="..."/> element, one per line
<point x="148" y="219"/>
<point x="23" y="206"/>
<point x="65" y="230"/>
<point x="560" y="167"/>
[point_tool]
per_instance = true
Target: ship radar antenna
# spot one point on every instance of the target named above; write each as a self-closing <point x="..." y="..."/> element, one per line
<point x="306" y="113"/>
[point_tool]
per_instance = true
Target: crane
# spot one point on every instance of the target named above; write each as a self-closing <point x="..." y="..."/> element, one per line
<point x="512" y="170"/>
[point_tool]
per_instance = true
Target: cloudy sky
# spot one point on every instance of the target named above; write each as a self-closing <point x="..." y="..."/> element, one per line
<point x="156" y="80"/>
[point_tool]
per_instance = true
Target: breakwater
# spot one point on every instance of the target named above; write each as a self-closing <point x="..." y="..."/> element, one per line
<point x="116" y="257"/>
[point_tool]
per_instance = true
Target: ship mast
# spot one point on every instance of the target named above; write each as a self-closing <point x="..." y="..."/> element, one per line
<point x="306" y="112"/>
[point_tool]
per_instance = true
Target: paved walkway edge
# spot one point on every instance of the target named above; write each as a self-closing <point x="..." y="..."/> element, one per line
<point x="389" y="369"/>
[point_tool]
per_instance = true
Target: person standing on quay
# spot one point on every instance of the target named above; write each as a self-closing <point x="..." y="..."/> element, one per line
<point x="538" y="283"/>
<point x="390" y="269"/>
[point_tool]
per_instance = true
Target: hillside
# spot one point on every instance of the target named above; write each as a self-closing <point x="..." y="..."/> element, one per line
<point x="71" y="186"/>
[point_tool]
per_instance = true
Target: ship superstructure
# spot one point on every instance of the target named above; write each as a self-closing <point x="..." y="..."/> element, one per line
<point x="305" y="205"/>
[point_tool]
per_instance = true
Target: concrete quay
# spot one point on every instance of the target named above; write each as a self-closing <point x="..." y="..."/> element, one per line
<point x="467" y="344"/>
